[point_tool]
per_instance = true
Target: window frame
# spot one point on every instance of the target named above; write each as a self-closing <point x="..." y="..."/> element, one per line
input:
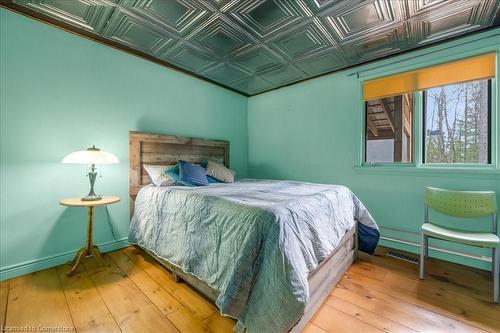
<point x="423" y="131"/>
<point x="401" y="65"/>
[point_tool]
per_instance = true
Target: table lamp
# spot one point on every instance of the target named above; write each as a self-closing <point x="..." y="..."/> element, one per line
<point x="91" y="156"/>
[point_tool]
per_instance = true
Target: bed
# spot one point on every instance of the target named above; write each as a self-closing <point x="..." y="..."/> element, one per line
<point x="267" y="253"/>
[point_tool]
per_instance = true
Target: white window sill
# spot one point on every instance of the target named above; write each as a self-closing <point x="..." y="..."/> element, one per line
<point x="489" y="171"/>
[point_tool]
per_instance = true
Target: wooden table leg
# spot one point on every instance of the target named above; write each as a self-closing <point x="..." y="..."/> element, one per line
<point x="80" y="255"/>
<point x="74" y="260"/>
<point x="90" y="249"/>
<point x="97" y="254"/>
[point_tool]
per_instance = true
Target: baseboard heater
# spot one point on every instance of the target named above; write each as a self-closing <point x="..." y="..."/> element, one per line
<point x="401" y="256"/>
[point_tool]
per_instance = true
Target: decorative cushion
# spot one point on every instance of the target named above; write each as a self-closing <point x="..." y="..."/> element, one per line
<point x="158" y="174"/>
<point x="212" y="180"/>
<point x="220" y="172"/>
<point x="216" y="160"/>
<point x="173" y="173"/>
<point x="192" y="173"/>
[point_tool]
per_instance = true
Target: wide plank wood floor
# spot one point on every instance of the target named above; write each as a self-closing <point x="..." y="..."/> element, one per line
<point x="135" y="294"/>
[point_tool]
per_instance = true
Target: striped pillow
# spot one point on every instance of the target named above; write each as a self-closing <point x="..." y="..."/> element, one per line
<point x="192" y="173"/>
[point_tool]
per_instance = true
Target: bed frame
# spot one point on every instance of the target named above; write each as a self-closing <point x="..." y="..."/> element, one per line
<point x="147" y="148"/>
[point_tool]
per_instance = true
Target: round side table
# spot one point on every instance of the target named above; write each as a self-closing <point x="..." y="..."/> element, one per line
<point x="89" y="249"/>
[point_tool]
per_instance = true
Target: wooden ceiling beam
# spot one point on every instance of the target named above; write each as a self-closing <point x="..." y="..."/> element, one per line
<point x="383" y="134"/>
<point x="371" y="126"/>
<point x="386" y="109"/>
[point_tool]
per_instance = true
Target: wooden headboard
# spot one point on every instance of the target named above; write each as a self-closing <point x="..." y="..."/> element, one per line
<point x="159" y="149"/>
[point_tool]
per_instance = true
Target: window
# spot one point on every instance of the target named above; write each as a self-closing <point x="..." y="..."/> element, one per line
<point x="389" y="129"/>
<point x="457" y="123"/>
<point x="454" y="101"/>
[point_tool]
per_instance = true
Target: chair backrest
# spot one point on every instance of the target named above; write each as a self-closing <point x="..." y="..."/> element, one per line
<point x="461" y="203"/>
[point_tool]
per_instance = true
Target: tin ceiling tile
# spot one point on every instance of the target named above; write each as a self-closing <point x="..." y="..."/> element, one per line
<point x="220" y="35"/>
<point x="459" y="17"/>
<point x="257" y="59"/>
<point x="256" y="45"/>
<point x="126" y="28"/>
<point x="90" y="15"/>
<point x="376" y="45"/>
<point x="189" y="57"/>
<point x="303" y="40"/>
<point x="418" y="7"/>
<point x="360" y="18"/>
<point x="219" y="5"/>
<point x="282" y="75"/>
<point x="180" y="16"/>
<point x="318" y="6"/>
<point x="225" y="73"/>
<point x="266" y="18"/>
<point x="252" y="85"/>
<point x="321" y="62"/>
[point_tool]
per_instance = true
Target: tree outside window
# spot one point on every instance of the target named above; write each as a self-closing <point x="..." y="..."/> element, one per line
<point x="457" y="123"/>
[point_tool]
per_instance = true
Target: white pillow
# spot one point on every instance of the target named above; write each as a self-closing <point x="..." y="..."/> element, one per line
<point x="158" y="176"/>
<point x="220" y="172"/>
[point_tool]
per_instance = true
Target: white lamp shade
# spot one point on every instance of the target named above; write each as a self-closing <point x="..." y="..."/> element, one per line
<point x="90" y="157"/>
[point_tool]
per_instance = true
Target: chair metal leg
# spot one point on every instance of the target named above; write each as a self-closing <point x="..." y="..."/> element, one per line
<point x="493" y="254"/>
<point x="423" y="252"/>
<point x="496" y="275"/>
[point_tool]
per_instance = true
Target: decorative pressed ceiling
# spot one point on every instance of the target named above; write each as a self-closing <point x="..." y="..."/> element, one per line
<point x="258" y="45"/>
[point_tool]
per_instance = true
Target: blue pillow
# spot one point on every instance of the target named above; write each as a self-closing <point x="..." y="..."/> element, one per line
<point x="192" y="173"/>
<point x="173" y="173"/>
<point x="212" y="180"/>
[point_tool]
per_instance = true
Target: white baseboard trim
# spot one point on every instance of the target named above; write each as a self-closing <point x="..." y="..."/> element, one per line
<point x="31" y="266"/>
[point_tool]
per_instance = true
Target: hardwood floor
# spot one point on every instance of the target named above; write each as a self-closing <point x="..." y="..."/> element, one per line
<point x="135" y="294"/>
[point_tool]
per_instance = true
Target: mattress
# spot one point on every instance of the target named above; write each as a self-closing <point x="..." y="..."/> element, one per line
<point x="255" y="241"/>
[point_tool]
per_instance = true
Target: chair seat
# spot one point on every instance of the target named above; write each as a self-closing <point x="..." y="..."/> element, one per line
<point x="470" y="238"/>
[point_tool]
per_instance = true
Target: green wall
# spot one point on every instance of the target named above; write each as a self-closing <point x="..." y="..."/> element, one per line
<point x="312" y="131"/>
<point x="61" y="93"/>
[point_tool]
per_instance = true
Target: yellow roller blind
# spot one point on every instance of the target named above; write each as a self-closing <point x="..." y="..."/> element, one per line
<point x="468" y="69"/>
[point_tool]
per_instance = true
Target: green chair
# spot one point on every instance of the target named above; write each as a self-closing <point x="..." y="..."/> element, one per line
<point x="463" y="204"/>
